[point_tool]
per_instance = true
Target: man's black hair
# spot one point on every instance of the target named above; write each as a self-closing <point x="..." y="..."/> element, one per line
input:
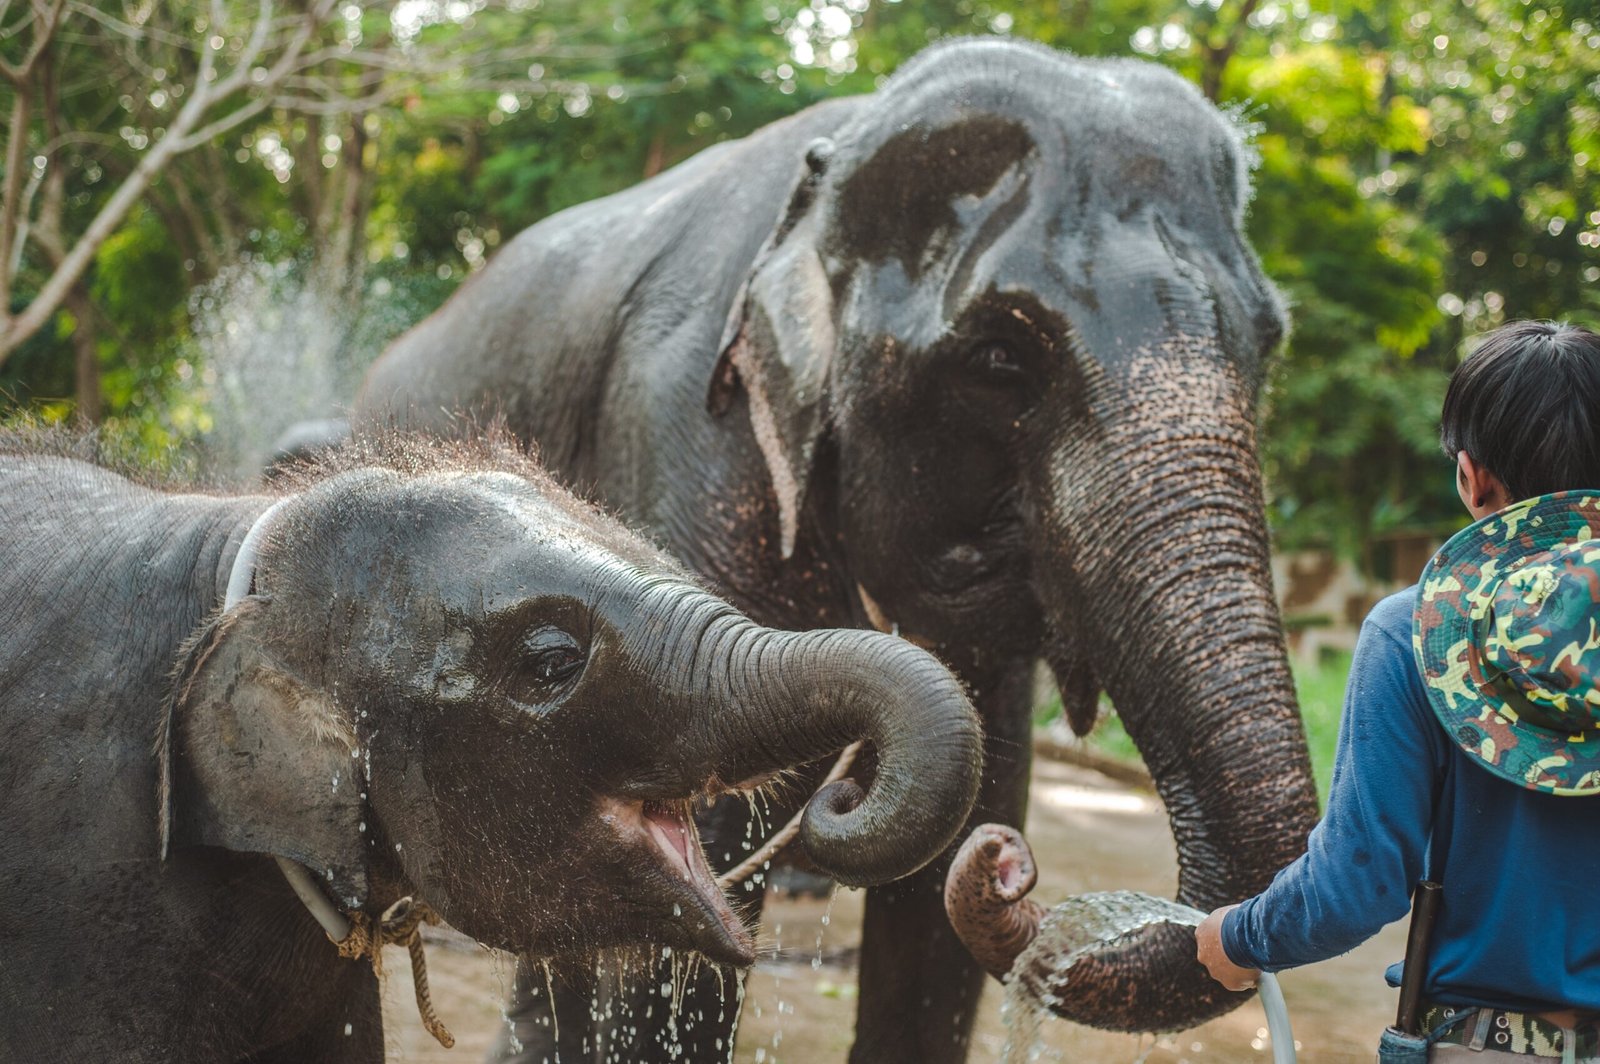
<point x="1526" y="406"/>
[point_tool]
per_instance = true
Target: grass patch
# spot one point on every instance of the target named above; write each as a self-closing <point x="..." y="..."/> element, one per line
<point x="1320" y="689"/>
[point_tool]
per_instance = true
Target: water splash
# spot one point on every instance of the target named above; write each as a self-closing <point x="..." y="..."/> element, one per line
<point x="1072" y="930"/>
<point x="555" y="1021"/>
<point x="275" y="347"/>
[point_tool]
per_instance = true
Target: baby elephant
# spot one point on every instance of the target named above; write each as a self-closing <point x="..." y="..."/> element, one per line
<point x="435" y="675"/>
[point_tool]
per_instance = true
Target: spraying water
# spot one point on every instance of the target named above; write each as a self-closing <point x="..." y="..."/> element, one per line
<point x="276" y="348"/>
<point x="1041" y="976"/>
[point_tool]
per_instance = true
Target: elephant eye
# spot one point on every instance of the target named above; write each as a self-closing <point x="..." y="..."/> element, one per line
<point x="551" y="655"/>
<point x="999" y="359"/>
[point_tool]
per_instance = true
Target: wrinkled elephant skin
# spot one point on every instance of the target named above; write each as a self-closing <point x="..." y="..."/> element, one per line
<point x="977" y="356"/>
<point x="449" y="680"/>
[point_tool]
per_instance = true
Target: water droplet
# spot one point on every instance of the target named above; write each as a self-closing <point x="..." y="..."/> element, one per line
<point x="1077" y="927"/>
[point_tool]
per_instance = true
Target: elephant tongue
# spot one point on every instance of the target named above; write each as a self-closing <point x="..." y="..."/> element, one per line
<point x="672" y="833"/>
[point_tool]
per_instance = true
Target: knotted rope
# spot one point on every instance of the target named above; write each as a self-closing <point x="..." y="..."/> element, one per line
<point x="400" y="925"/>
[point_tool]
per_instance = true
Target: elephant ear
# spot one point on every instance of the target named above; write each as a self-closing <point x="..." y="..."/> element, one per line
<point x="907" y="197"/>
<point x="899" y="200"/>
<point x="779" y="343"/>
<point x="255" y="760"/>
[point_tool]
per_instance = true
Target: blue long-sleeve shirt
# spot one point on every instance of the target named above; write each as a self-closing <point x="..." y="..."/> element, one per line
<point x="1519" y="923"/>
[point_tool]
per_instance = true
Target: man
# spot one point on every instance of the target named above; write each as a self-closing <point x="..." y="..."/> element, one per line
<point x="1471" y="734"/>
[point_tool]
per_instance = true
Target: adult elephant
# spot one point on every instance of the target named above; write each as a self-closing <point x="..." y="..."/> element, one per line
<point x="977" y="356"/>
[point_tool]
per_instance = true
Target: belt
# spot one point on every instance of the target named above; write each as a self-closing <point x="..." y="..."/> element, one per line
<point x="1514" y="1032"/>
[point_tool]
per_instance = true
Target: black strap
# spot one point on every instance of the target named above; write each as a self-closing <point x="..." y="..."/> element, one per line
<point x="1419" y="940"/>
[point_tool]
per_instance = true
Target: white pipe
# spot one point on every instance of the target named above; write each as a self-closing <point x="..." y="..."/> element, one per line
<point x="1277" y="1011"/>
<point x="243" y="572"/>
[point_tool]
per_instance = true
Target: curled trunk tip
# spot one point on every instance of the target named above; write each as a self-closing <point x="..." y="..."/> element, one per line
<point x="985" y="896"/>
<point x="929" y="744"/>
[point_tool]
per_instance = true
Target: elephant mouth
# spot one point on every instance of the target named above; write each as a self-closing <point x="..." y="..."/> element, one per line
<point x="673" y="831"/>
<point x="665" y="833"/>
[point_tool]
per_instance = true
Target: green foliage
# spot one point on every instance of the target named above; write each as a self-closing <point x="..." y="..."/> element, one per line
<point x="1318" y="687"/>
<point x="139" y="282"/>
<point x="1391" y="186"/>
<point x="1426" y="171"/>
<point x="1351" y="420"/>
<point x="1332" y="98"/>
<point x="675" y="78"/>
<point x="1321" y="689"/>
<point x="38" y="375"/>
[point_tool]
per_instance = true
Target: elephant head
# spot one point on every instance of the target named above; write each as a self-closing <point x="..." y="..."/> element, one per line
<point x="1010" y="333"/>
<point x="455" y="681"/>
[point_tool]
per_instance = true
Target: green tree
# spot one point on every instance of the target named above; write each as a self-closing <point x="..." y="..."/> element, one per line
<point x="1425" y="171"/>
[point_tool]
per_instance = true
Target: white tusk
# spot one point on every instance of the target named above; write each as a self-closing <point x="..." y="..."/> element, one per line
<point x="243" y="573"/>
<point x="299" y="877"/>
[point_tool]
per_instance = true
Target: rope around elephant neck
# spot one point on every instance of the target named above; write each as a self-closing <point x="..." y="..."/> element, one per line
<point x="400" y="925"/>
<point x="768" y="850"/>
<point x="354" y="934"/>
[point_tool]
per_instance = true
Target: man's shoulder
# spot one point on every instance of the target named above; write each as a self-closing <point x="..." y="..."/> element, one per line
<point x="1387" y="662"/>
<point x="1393" y="615"/>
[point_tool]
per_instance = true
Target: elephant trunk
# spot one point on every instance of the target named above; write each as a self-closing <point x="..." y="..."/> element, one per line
<point x="984" y="896"/>
<point x="1165" y="593"/>
<point x="767" y="700"/>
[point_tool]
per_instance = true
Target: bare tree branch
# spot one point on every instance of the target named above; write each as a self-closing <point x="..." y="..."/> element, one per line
<point x="222" y="71"/>
<point x="24" y="209"/>
<point x="47" y="20"/>
<point x="15" y="146"/>
<point x="127" y="30"/>
<point x="208" y="91"/>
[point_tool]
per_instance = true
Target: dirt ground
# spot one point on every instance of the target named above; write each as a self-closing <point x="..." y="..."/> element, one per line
<point x="1088" y="833"/>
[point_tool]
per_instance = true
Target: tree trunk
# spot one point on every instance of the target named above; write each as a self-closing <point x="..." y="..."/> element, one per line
<point x="656" y="157"/>
<point x="86" y="347"/>
<point x="347" y="244"/>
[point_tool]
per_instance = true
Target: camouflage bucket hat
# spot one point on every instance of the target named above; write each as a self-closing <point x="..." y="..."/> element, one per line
<point x="1507" y="634"/>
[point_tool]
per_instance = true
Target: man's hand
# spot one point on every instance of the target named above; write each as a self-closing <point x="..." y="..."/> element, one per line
<point x="1208" y="947"/>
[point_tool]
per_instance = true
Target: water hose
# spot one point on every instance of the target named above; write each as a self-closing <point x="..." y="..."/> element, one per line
<point x="1272" y="1003"/>
<point x="1277" y="1011"/>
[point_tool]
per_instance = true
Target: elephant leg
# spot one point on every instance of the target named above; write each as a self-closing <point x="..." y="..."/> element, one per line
<point x="348" y="1027"/>
<point x="599" y="1017"/>
<point x="919" y="987"/>
<point x="533" y="1031"/>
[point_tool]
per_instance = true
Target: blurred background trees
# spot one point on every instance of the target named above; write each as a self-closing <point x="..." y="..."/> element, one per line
<point x="1426" y="170"/>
